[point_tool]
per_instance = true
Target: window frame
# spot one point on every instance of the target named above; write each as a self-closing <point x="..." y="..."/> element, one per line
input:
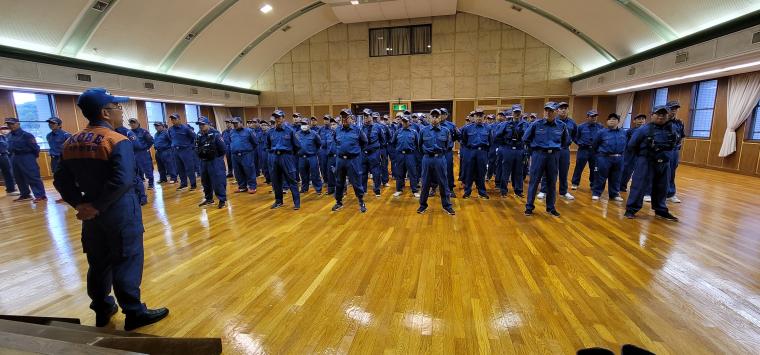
<point x="753" y="121"/>
<point x="654" y="96"/>
<point x="197" y="114"/>
<point x="151" y="127"/>
<point x="693" y="110"/>
<point x="53" y="113"/>
<point x="387" y="31"/>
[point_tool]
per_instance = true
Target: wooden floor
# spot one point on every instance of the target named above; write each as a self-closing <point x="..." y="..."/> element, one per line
<point x="488" y="280"/>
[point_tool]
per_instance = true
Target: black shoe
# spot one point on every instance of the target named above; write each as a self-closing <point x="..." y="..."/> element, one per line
<point x="629" y="349"/>
<point x="193" y="188"/>
<point x="102" y="319"/>
<point x="276" y="205"/>
<point x="162" y="181"/>
<point x="466" y="197"/>
<point x="553" y="213"/>
<point x="143" y="203"/>
<point x="23" y="198"/>
<point x="296" y="208"/>
<point x="629" y="215"/>
<point x="421" y="210"/>
<point x="485" y="197"/>
<point x="150" y="316"/>
<point x="623" y="190"/>
<point x="362" y="207"/>
<point x="150" y="187"/>
<point x="453" y="195"/>
<point x="206" y="203"/>
<point x="450" y="211"/>
<point x="222" y="204"/>
<point x="504" y="195"/>
<point x="337" y="207"/>
<point x="180" y="188"/>
<point x="528" y="213"/>
<point x="304" y="191"/>
<point x="520" y="195"/>
<point x="666" y="216"/>
<point x="240" y="191"/>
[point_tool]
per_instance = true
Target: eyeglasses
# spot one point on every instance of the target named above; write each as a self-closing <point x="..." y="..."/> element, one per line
<point x="118" y="107"/>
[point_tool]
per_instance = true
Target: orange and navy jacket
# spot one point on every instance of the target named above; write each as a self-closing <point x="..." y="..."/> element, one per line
<point x="97" y="167"/>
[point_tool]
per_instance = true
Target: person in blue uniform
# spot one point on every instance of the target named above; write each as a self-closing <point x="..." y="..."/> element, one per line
<point x="382" y="122"/>
<point x="183" y="141"/>
<point x="243" y="146"/>
<point x="584" y="138"/>
<point x="393" y="155"/>
<point x="527" y="120"/>
<point x="629" y="159"/>
<point x="509" y="138"/>
<point x="675" y="158"/>
<point x="261" y="151"/>
<point x="226" y="136"/>
<point x="545" y="138"/>
<point x="255" y="127"/>
<point x="283" y="144"/>
<point x="477" y="138"/>
<point x="55" y="139"/>
<point x="96" y="177"/>
<point x="210" y="148"/>
<point x="327" y="153"/>
<point x="138" y="183"/>
<point x="5" y="163"/>
<point x="609" y="147"/>
<point x="564" y="154"/>
<point x="455" y="137"/>
<point x="406" y="143"/>
<point x="492" y="165"/>
<point x="433" y="142"/>
<point x="308" y="164"/>
<point x="371" y="154"/>
<point x="162" y="141"/>
<point x="24" y="153"/>
<point x="462" y="148"/>
<point x="653" y="144"/>
<point x="143" y="143"/>
<point x="349" y="143"/>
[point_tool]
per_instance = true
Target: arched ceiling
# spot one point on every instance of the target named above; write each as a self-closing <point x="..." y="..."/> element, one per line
<point x="233" y="42"/>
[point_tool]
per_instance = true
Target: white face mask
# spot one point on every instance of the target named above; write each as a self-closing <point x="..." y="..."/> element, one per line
<point x="304" y="128"/>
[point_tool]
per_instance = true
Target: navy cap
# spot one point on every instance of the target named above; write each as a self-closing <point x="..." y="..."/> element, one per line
<point x="491" y="116"/>
<point x="673" y="104"/>
<point x="278" y="113"/>
<point x="174" y="115"/>
<point x="296" y="114"/>
<point x="550" y="105"/>
<point x="659" y="108"/>
<point x="641" y="115"/>
<point x="517" y="107"/>
<point x="346" y="112"/>
<point x="11" y="120"/>
<point x="204" y="120"/>
<point x="367" y="112"/>
<point x="93" y="100"/>
<point x="55" y="120"/>
<point x="532" y="114"/>
<point x="591" y="113"/>
<point x="405" y="118"/>
<point x="376" y="114"/>
<point x="250" y="121"/>
<point x="131" y="120"/>
<point x="615" y="115"/>
<point x="435" y="112"/>
<point x="407" y="113"/>
<point x="235" y="120"/>
<point x="326" y="117"/>
<point x="156" y="124"/>
<point x="264" y="122"/>
<point x="444" y="111"/>
<point x="332" y="120"/>
<point x="559" y="105"/>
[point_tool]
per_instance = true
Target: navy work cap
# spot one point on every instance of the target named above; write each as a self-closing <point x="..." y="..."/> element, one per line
<point x="93" y="100"/>
<point x="517" y="107"/>
<point x="203" y="121"/>
<point x="11" y="120"/>
<point x="559" y="105"/>
<point x="235" y="120"/>
<point x="55" y="120"/>
<point x="613" y="115"/>
<point x="673" y="104"/>
<point x="435" y="112"/>
<point x="592" y="113"/>
<point x="156" y="124"/>
<point x="444" y="111"/>
<point x="346" y="112"/>
<point x="278" y="113"/>
<point x="551" y="105"/>
<point x="174" y="116"/>
<point x="659" y="108"/>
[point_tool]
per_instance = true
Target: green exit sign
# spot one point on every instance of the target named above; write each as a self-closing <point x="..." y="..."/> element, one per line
<point x="399" y="107"/>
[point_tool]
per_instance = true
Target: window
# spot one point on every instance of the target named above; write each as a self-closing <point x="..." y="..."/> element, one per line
<point x="627" y="118"/>
<point x="702" y="112"/>
<point x="32" y="111"/>
<point x="660" y="97"/>
<point x="156" y="113"/>
<point x="754" y="131"/>
<point x="192" y="113"/>
<point x="400" y="40"/>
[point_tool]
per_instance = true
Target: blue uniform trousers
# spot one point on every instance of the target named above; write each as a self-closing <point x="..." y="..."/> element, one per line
<point x="213" y="179"/>
<point x="184" y="159"/>
<point x="27" y="174"/>
<point x="608" y="168"/>
<point x="228" y="156"/>
<point x="462" y="154"/>
<point x="242" y="162"/>
<point x="264" y="164"/>
<point x="434" y="173"/>
<point x="327" y="170"/>
<point x="384" y="165"/>
<point x="308" y="167"/>
<point x="526" y="164"/>
<point x="475" y="161"/>
<point x="166" y="165"/>
<point x="563" y="170"/>
<point x="543" y="164"/>
<point x="145" y="166"/>
<point x="583" y="156"/>
<point x="492" y="165"/>
<point x="649" y="175"/>
<point x="283" y="171"/>
<point x="5" y="168"/>
<point x="54" y="161"/>
<point x="450" y="169"/>
<point x="346" y="166"/>
<point x="511" y="169"/>
<point x="675" y="159"/>
<point x="629" y="161"/>
<point x="393" y="157"/>
<point x="406" y="165"/>
<point x="371" y="164"/>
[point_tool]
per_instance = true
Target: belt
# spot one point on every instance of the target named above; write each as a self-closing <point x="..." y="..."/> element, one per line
<point x="433" y="155"/>
<point x="242" y="152"/>
<point x="583" y="146"/>
<point x="369" y="151"/>
<point x="348" y="156"/>
<point x="179" y="148"/>
<point x="406" y="151"/>
<point x="545" y="150"/>
<point x="611" y="155"/>
<point x="331" y="155"/>
<point x="4" y="154"/>
<point x="306" y="155"/>
<point x="477" y="148"/>
<point x="281" y="152"/>
<point x="514" y="147"/>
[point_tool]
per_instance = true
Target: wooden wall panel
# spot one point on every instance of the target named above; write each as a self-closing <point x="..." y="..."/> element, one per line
<point x="321" y="110"/>
<point x="335" y="109"/>
<point x="251" y="112"/>
<point x="581" y="105"/>
<point x="749" y="158"/>
<point x="462" y="108"/>
<point x="142" y="115"/>
<point x="68" y="112"/>
<point x="487" y="102"/>
<point x="642" y="103"/>
<point x="605" y="105"/>
<point x="702" y="151"/>
<point x="6" y="105"/>
<point x="688" y="150"/>
<point x="305" y="111"/>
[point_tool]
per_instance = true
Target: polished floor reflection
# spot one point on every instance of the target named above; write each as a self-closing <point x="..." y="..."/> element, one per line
<point x="488" y="280"/>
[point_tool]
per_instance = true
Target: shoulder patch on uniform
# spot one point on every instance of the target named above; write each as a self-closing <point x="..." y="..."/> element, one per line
<point x="91" y="143"/>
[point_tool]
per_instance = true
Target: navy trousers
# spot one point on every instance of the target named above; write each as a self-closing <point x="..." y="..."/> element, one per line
<point x="7" y="171"/>
<point x="384" y="165"/>
<point x="450" y="169"/>
<point x="27" y="174"/>
<point x="543" y="164"/>
<point x="228" y="156"/>
<point x="675" y="159"/>
<point x="511" y="169"/>
<point x="649" y="174"/>
<point x="563" y="171"/>
<point x="608" y="168"/>
<point x="371" y="164"/>
<point x="475" y="161"/>
<point x="308" y="168"/>
<point x="327" y="168"/>
<point x="351" y="168"/>
<point x="283" y="171"/>
<point x="54" y="161"/>
<point x="262" y="164"/>
<point x="166" y="165"/>
<point x="629" y="161"/>
<point x="492" y="158"/>
<point x="144" y="166"/>
<point x="214" y="179"/>
<point x="406" y="166"/>
<point x="582" y="157"/>
<point x="434" y="173"/>
<point x="185" y="159"/>
<point x="242" y="163"/>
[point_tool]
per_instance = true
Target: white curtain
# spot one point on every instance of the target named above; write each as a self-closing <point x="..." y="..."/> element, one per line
<point x="743" y="94"/>
<point x="221" y="114"/>
<point x="130" y="111"/>
<point x="624" y="105"/>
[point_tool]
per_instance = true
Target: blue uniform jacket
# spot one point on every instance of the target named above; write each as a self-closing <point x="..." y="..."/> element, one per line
<point x="55" y="140"/>
<point x="678" y="126"/>
<point x="664" y="134"/>
<point x="406" y="139"/>
<point x="144" y="139"/>
<point x="456" y="135"/>
<point x="434" y="140"/>
<point x="242" y="140"/>
<point x="23" y="142"/>
<point x="476" y="136"/>
<point x="571" y="127"/>
<point x="282" y="139"/>
<point x="610" y="141"/>
<point x="162" y="140"/>
<point x="349" y="141"/>
<point x="3" y="144"/>
<point x="326" y="135"/>
<point x="375" y="136"/>
<point x="212" y="137"/>
<point x="310" y="142"/>
<point x="182" y="136"/>
<point x="544" y="135"/>
<point x="584" y="135"/>
<point x="510" y="133"/>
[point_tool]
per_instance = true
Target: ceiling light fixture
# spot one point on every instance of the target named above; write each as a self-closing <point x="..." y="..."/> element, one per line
<point x="266" y="8"/>
<point x="688" y="76"/>
<point x="354" y="2"/>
